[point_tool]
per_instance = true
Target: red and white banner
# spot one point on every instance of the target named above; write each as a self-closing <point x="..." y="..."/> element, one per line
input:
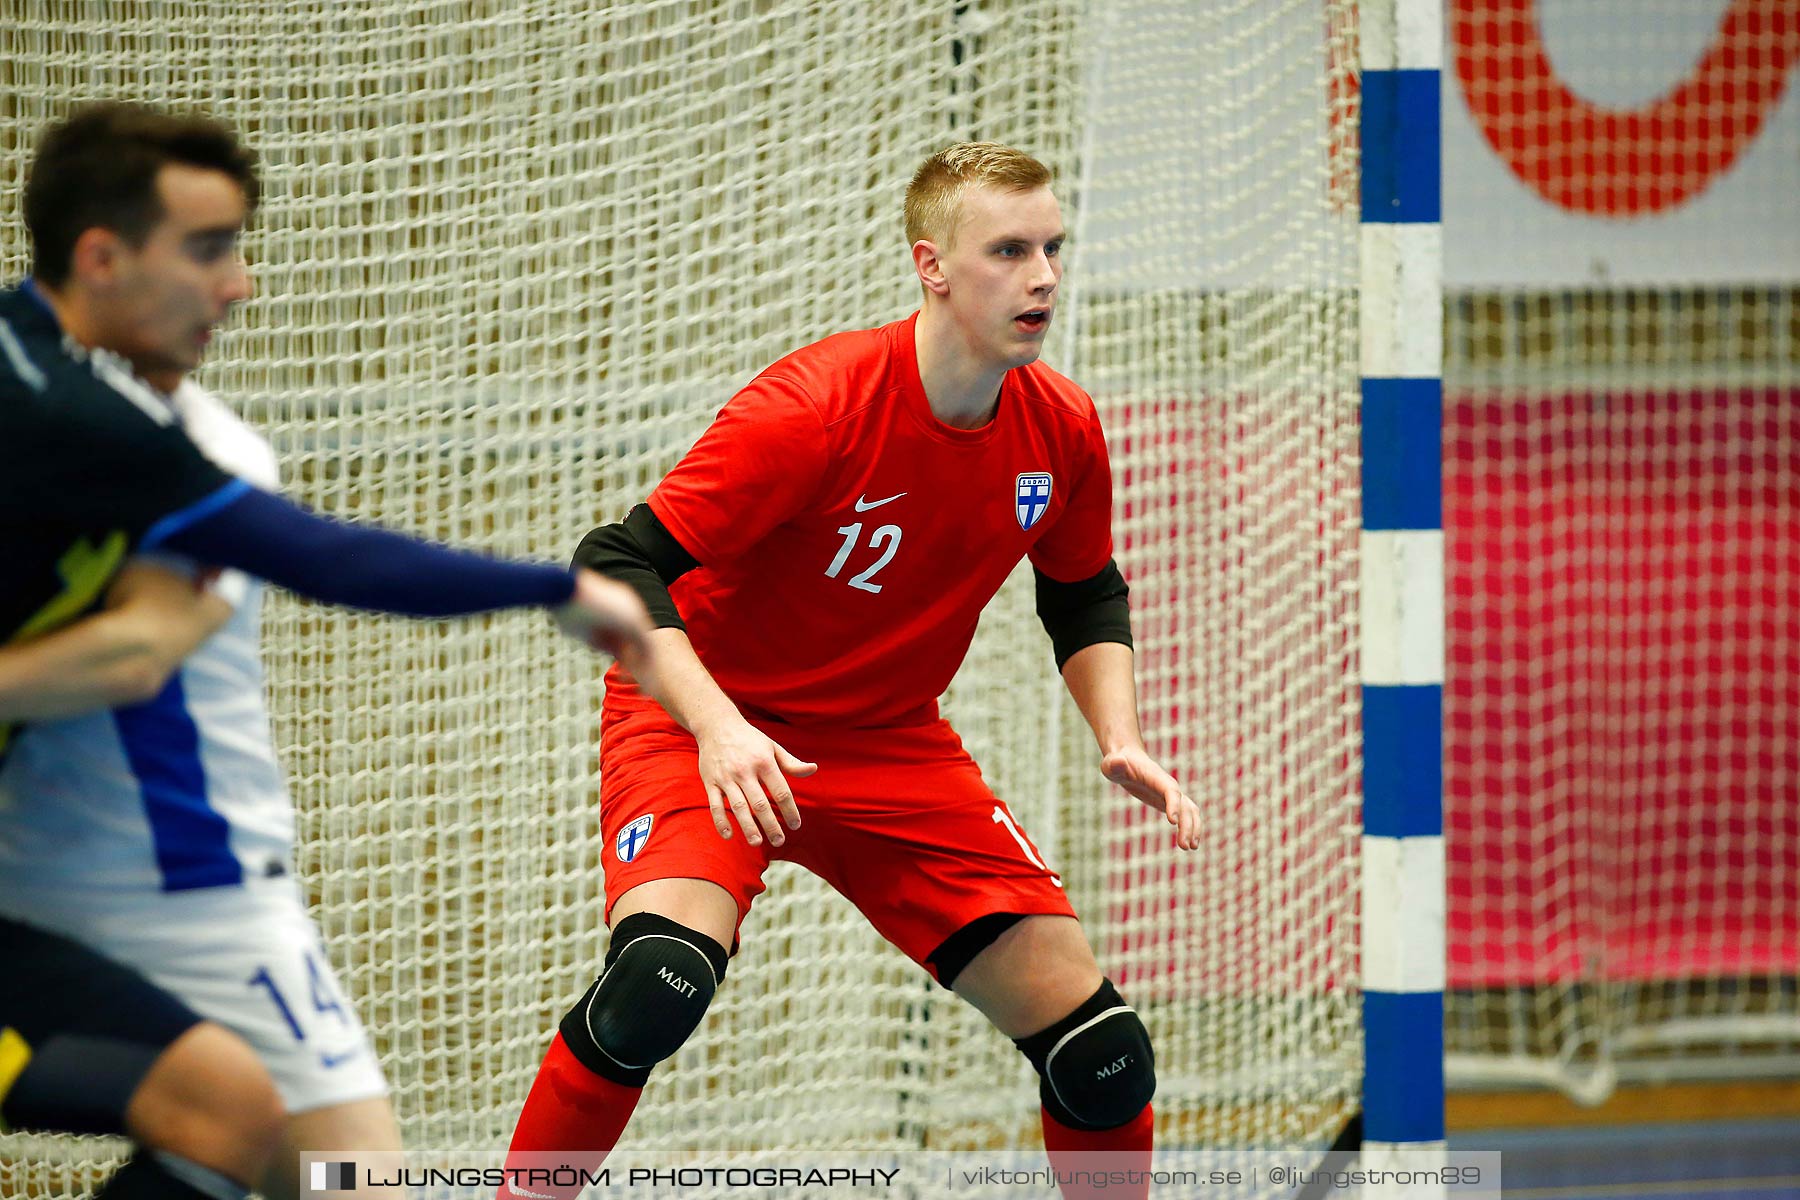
<point x="1593" y="142"/>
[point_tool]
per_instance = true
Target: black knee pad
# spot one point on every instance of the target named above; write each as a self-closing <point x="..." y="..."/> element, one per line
<point x="658" y="980"/>
<point x="1095" y="1064"/>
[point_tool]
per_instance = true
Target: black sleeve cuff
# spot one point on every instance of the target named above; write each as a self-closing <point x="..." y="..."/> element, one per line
<point x="641" y="553"/>
<point x="1084" y="613"/>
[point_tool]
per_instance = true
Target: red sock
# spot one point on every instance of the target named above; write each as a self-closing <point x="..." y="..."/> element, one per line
<point x="1126" y="1148"/>
<point x="572" y="1116"/>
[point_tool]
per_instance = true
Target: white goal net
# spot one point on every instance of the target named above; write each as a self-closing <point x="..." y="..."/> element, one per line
<point x="512" y="258"/>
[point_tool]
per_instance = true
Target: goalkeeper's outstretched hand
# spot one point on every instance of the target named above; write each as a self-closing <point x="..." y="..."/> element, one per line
<point x="607" y="615"/>
<point x="1137" y="773"/>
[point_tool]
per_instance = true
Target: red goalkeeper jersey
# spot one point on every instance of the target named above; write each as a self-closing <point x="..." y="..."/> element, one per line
<point x="848" y="539"/>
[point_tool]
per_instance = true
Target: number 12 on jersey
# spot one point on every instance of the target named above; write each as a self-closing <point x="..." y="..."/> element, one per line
<point x="889" y="534"/>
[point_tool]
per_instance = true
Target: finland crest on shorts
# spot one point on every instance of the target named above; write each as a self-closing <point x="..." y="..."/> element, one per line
<point x="1032" y="497"/>
<point x="631" y="839"/>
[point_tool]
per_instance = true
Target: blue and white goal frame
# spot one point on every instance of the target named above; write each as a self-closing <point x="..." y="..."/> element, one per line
<point x="1403" y="943"/>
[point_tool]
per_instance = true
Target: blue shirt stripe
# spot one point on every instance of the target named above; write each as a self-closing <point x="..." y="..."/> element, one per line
<point x="191" y="839"/>
<point x="199" y="510"/>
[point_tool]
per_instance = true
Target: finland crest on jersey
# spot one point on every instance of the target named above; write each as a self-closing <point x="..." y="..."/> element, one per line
<point x="631" y="839"/>
<point x="1033" y="497"/>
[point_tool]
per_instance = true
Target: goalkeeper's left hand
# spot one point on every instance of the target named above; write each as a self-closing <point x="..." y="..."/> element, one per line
<point x="1135" y="771"/>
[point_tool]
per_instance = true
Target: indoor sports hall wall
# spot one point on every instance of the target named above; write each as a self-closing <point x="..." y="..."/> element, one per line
<point x="1622" y="518"/>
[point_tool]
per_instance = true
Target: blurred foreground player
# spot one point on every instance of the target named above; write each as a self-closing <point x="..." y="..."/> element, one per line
<point x="146" y="902"/>
<point x="816" y="565"/>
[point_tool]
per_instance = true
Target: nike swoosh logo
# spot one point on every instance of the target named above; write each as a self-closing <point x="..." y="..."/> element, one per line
<point x="328" y="1061"/>
<point x="863" y="505"/>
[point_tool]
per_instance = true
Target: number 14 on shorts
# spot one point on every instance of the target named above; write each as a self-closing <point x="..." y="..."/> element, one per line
<point x="323" y="996"/>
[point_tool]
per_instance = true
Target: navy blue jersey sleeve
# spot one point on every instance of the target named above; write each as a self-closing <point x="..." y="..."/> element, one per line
<point x="356" y="565"/>
<point x="90" y="458"/>
<point x="93" y="463"/>
<point x="87" y="445"/>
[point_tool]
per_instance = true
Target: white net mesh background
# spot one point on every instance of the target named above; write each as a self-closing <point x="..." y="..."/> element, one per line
<point x="1621" y="514"/>
<point x="512" y="258"/>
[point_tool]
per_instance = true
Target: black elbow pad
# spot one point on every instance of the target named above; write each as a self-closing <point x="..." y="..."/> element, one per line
<point x="641" y="553"/>
<point x="1086" y="612"/>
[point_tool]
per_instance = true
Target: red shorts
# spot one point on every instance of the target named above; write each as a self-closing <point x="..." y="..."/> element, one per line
<point x="898" y="820"/>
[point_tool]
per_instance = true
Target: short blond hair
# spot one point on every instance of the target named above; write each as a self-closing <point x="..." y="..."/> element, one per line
<point x="934" y="197"/>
